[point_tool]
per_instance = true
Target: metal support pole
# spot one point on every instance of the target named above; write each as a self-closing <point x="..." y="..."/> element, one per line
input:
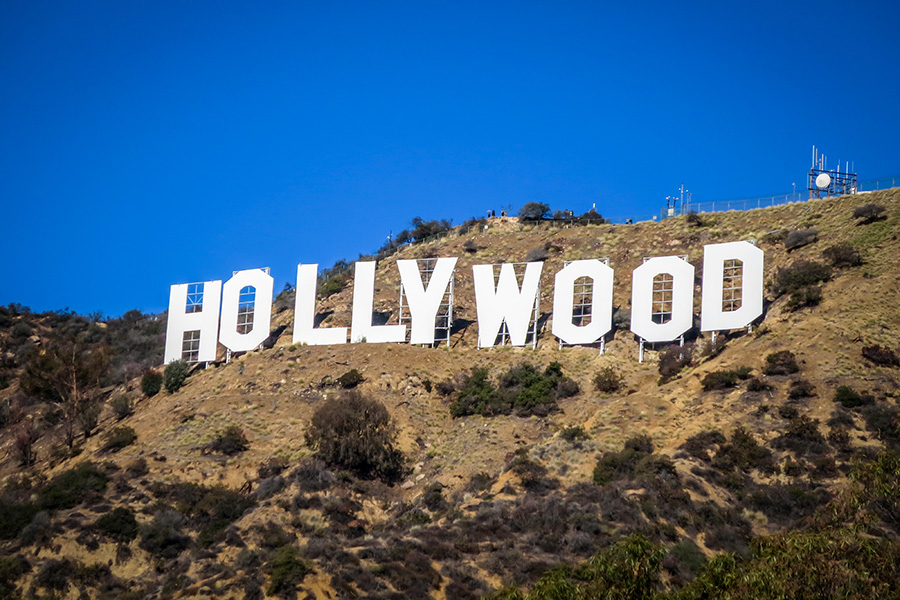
<point x="641" y="351"/>
<point x="537" y="302"/>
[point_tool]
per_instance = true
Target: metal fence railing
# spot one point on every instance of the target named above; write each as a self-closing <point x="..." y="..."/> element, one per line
<point x="745" y="204"/>
<point x="882" y="183"/>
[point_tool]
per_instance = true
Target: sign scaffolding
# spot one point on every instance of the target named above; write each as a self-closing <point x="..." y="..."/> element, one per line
<point x="443" y="320"/>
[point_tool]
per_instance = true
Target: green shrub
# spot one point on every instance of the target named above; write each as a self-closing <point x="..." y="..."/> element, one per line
<point x="802" y="435"/>
<point x="788" y="412"/>
<point x="350" y="379"/>
<point x="175" y="375"/>
<point x="88" y="417"/>
<point x="118" y="438"/>
<point x="15" y="516"/>
<point x="698" y="445"/>
<point x="230" y="442"/>
<point x="755" y="384"/>
<point x="211" y="509"/>
<point x="523" y="389"/>
<point x="615" y="466"/>
<point x="286" y="571"/>
<point x="782" y="362"/>
<point x="684" y="561"/>
<point x="718" y="380"/>
<point x="334" y="279"/>
<point x="151" y="382"/>
<point x="743" y="453"/>
<point x="532" y="475"/>
<point x="799" y="275"/>
<point x="805" y="297"/>
<point x="356" y="432"/>
<point x="477" y="395"/>
<point x="574" y="433"/>
<point x="118" y="524"/>
<point x="122" y="407"/>
<point x="71" y="488"/>
<point x="11" y="569"/>
<point x="608" y="379"/>
<point x="54" y="574"/>
<point x="880" y="480"/>
<point x="743" y="373"/>
<point x="163" y="536"/>
<point x="884" y="420"/>
<point x="332" y="285"/>
<point x="533" y="211"/>
<point x="847" y="397"/>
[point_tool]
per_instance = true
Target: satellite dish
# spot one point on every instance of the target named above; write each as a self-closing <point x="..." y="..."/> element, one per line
<point x="823" y="181"/>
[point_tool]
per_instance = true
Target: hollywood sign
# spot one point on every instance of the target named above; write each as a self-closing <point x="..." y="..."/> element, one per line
<point x="238" y="313"/>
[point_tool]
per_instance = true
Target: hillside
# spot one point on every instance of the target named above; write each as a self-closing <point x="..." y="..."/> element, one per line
<point x="483" y="501"/>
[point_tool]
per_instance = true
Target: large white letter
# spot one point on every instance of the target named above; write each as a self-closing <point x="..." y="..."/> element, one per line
<point x="363" y="300"/>
<point x="424" y="303"/>
<point x="305" y="309"/>
<point x="642" y="323"/>
<point x="193" y="321"/>
<point x="506" y="303"/>
<point x="601" y="302"/>
<point x="712" y="317"/>
<point x="254" y="310"/>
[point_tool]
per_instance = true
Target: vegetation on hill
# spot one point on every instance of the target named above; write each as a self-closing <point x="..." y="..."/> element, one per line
<point x="764" y="465"/>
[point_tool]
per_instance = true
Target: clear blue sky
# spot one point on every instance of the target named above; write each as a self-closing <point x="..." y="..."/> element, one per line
<point x="149" y="143"/>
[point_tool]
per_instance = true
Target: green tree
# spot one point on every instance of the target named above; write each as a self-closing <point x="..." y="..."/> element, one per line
<point x="534" y="211"/>
<point x="175" y="375"/>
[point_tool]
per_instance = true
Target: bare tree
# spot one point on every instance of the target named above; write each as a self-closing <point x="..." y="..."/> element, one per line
<point x="68" y="374"/>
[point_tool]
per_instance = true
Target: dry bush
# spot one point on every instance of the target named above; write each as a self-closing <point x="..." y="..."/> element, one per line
<point x="801" y="389"/>
<point x="799" y="238"/>
<point x="842" y="255"/>
<point x="869" y="213"/>
<point x="229" y="442"/>
<point x="881" y="356"/>
<point x="356" y="432"/>
<point x="608" y="379"/>
<point x="538" y="254"/>
<point x="673" y="360"/>
<point x="782" y="362"/>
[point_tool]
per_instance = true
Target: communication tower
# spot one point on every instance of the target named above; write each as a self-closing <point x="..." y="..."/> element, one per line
<point x="823" y="182"/>
<point x="678" y="205"/>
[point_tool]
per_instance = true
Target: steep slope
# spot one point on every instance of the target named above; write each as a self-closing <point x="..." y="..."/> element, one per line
<point x="487" y="500"/>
